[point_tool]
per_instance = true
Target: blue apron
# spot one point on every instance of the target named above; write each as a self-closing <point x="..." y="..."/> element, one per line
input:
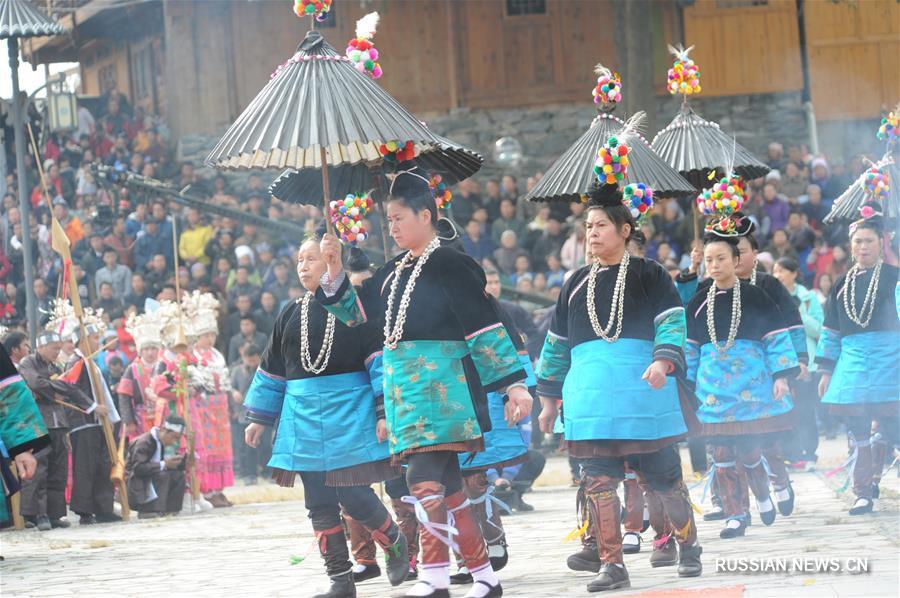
<point x="866" y="370"/>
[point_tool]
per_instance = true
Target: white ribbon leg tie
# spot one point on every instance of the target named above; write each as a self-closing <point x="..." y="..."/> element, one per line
<point x="442" y="531"/>
<point x="490" y="500"/>
<point x="711" y="476"/>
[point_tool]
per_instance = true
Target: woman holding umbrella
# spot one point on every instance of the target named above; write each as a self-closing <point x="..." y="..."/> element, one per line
<point x="857" y="352"/>
<point x="444" y="348"/>
<point x="638" y="351"/>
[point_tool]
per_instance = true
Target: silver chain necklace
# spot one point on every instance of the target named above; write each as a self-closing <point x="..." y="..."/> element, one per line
<point x="735" y="316"/>
<point x="318" y="366"/>
<point x="861" y="318"/>
<point x="616" y="308"/>
<point x="392" y="336"/>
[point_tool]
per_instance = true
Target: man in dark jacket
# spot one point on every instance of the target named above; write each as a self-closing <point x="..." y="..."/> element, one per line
<point x="44" y="496"/>
<point x="155" y="482"/>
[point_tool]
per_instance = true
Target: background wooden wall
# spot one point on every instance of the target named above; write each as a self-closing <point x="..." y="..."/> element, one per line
<point x="854" y="57"/>
<point x="745" y="49"/>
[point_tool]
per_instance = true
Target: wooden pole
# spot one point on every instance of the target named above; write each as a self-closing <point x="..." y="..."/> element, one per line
<point x="382" y="220"/>
<point x="326" y="189"/>
<point x="15" y="501"/>
<point x="181" y="390"/>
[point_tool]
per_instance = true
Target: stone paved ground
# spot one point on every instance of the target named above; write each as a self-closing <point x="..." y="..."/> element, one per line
<point x="245" y="551"/>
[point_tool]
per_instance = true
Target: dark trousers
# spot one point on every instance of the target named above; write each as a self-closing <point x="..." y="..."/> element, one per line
<point x="169" y="485"/>
<point x="248" y="461"/>
<point x="324" y="503"/>
<point x="803" y="441"/>
<point x="439" y="466"/>
<point x="92" y="492"/>
<point x="530" y="471"/>
<point x="45" y="493"/>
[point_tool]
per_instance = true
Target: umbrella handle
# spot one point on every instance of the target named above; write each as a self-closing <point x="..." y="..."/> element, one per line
<point x="326" y="190"/>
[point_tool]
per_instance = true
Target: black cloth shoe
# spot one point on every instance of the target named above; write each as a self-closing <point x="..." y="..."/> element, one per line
<point x="689" y="564"/>
<point x="86" y="520"/>
<point x="664" y="554"/>
<point x="366" y="573"/>
<point x="29" y="523"/>
<point x="716" y="513"/>
<point x="587" y="559"/>
<point x="631" y="547"/>
<point x="148" y="515"/>
<point x="461" y="577"/>
<point x="342" y="586"/>
<point x="499" y="562"/>
<point x="396" y="560"/>
<point x="768" y="517"/>
<point x="486" y="590"/>
<point x="733" y="530"/>
<point x="43" y="523"/>
<point x="59" y="523"/>
<point x="786" y="506"/>
<point x="520" y="505"/>
<point x="612" y="577"/>
<point x="107" y="518"/>
<point x="413" y="574"/>
<point x="435" y="593"/>
<point x="862" y="506"/>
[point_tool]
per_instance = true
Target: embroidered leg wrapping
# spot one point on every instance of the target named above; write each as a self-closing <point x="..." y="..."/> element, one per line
<point x="409" y="527"/>
<point x="469" y="539"/>
<point x="677" y="504"/>
<point x="754" y="465"/>
<point x="879" y="451"/>
<point x="361" y="543"/>
<point x="728" y="481"/>
<point x="603" y="501"/>
<point x="658" y="520"/>
<point x="634" y="503"/>
<point x="778" y="472"/>
<point x="436" y="532"/>
<point x="863" y="469"/>
<point x="333" y="548"/>
<point x="484" y="507"/>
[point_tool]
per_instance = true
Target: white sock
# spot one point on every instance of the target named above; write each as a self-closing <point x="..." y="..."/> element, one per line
<point x="861" y="502"/>
<point x="486" y="575"/>
<point x="357" y="568"/>
<point x="631" y="539"/>
<point x="733" y="524"/>
<point x="782" y="495"/>
<point x="430" y="579"/>
<point x="765" y="506"/>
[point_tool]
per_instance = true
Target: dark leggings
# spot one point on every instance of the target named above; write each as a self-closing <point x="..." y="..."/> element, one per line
<point x="438" y="466"/>
<point x="324" y="502"/>
<point x="397" y="487"/>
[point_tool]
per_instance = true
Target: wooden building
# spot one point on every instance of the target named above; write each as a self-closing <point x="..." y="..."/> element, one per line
<point x="200" y="62"/>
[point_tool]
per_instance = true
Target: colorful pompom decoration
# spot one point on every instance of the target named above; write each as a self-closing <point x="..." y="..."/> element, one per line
<point x="608" y="91"/>
<point x="394" y="152"/>
<point x="684" y="76"/>
<point x="611" y="165"/>
<point x="360" y="50"/>
<point x="347" y="217"/>
<point x="877" y="183"/>
<point x="440" y="191"/>
<point x="638" y="198"/>
<point x="722" y="199"/>
<point x="312" y="8"/>
<point x="890" y="127"/>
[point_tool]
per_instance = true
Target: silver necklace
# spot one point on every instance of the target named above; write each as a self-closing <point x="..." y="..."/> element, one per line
<point x="735" y="316"/>
<point x="861" y="318"/>
<point x="616" y="308"/>
<point x="321" y="362"/>
<point x="393" y="335"/>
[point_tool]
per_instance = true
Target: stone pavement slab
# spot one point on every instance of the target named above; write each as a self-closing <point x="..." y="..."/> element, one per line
<point x="246" y="551"/>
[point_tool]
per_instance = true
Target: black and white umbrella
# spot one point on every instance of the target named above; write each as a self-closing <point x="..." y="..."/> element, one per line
<point x="847" y="205"/>
<point x="695" y="147"/>
<point x="572" y="175"/>
<point x="449" y="159"/>
<point x="317" y="109"/>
